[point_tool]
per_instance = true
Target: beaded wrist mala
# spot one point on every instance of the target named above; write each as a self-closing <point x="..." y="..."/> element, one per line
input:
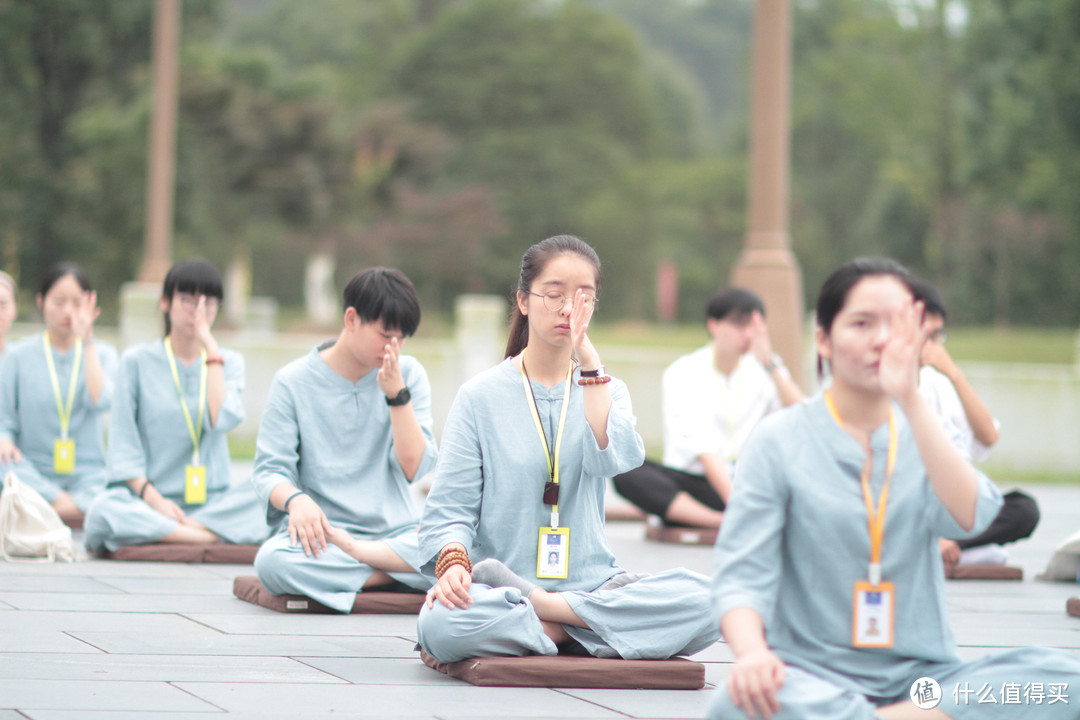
<point x="449" y="558"/>
<point x="594" y="380"/>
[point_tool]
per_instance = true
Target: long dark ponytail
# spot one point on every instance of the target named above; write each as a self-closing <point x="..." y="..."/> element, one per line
<point x="533" y="263"/>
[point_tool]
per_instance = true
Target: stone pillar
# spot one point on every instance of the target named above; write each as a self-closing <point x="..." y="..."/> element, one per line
<point x="161" y="163"/>
<point x="766" y="264"/>
<point x="480" y="332"/>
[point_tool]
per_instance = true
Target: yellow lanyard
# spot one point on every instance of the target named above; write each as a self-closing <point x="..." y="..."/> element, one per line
<point x="553" y="465"/>
<point x="195" y="430"/>
<point x="65" y="413"/>
<point x="875" y="520"/>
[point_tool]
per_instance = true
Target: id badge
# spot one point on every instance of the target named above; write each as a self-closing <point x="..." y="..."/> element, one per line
<point x="874" y="610"/>
<point x="64" y="456"/>
<point x="553" y="553"/>
<point x="195" y="484"/>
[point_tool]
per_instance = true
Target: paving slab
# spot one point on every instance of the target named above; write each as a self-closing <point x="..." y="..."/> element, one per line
<point x="214" y="643"/>
<point x="119" y="602"/>
<point x="448" y="702"/>
<point x="95" y="695"/>
<point x="165" y="586"/>
<point x="649" y="703"/>
<point x="275" y="623"/>
<point x="380" y="671"/>
<point x="160" y="668"/>
<point x="51" y="584"/>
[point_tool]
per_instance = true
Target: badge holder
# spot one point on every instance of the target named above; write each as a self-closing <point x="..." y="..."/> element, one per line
<point x="874" y="612"/>
<point x="553" y="553"/>
<point x="64" y="456"/>
<point x="195" y="484"/>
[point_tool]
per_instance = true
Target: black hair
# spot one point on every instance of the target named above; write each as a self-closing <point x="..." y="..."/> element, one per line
<point x="386" y="295"/>
<point x="533" y="263"/>
<point x="835" y="289"/>
<point x="930" y="297"/>
<point x="195" y="276"/>
<point x="735" y="302"/>
<point x="61" y="270"/>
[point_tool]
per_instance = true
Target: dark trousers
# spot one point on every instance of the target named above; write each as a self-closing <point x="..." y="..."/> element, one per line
<point x="1015" y="521"/>
<point x="653" y="486"/>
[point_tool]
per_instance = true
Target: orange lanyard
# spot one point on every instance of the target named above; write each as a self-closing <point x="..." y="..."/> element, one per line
<point x="875" y="519"/>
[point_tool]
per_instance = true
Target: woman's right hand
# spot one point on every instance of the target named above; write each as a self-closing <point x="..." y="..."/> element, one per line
<point x="8" y="452"/>
<point x="754" y="681"/>
<point x="163" y="505"/>
<point x="308" y="525"/>
<point x="452" y="589"/>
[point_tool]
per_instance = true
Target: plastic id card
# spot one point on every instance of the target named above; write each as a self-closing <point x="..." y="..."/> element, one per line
<point x="64" y="456"/>
<point x="553" y="553"/>
<point x="874" y="610"/>
<point x="195" y="484"/>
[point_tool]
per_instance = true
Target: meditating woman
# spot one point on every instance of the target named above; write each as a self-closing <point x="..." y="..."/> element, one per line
<point x="828" y="581"/>
<point x="54" y="388"/>
<point x="168" y="459"/>
<point x="519" y="489"/>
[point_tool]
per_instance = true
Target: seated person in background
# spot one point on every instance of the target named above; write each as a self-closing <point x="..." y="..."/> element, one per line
<point x="55" y="388"/>
<point x="345" y="430"/>
<point x="712" y="399"/>
<point x="168" y="459"/>
<point x="973" y="429"/>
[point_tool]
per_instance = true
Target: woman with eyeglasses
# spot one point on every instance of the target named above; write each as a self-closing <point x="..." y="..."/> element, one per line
<point x="54" y="388"/>
<point x="168" y="459"/>
<point x="520" y="480"/>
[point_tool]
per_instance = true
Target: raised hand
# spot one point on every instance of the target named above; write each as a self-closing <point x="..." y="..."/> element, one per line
<point x="389" y="376"/>
<point x="581" y="313"/>
<point x="898" y="369"/>
<point x="86" y="312"/>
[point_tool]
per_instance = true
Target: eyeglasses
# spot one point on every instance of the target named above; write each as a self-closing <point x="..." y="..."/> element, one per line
<point x="189" y="301"/>
<point x="554" y="301"/>
<point x="939" y="336"/>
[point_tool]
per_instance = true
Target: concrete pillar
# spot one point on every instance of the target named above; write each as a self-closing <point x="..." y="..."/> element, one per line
<point x="140" y="313"/>
<point x="480" y="332"/>
<point x="161" y="163"/>
<point x="766" y="264"/>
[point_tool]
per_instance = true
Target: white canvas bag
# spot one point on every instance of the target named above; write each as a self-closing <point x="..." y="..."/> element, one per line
<point x="30" y="529"/>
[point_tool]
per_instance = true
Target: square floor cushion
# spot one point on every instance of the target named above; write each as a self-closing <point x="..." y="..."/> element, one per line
<point x="403" y="602"/>
<point x="1072" y="606"/>
<point x="979" y="571"/>
<point x="681" y="535"/>
<point x="164" y="552"/>
<point x="574" y="671"/>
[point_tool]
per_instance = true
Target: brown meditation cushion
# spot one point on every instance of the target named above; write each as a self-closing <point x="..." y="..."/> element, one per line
<point x="248" y="587"/>
<point x="574" y="671"/>
<point x="976" y="571"/>
<point x="681" y="535"/>
<point x="1072" y="606"/>
<point x="163" y="552"/>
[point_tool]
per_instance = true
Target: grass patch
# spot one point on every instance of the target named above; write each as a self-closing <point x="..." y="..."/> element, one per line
<point x="1006" y="477"/>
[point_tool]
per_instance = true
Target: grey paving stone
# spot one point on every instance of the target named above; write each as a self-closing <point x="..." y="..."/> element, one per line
<point x="48" y="584"/>
<point x="177" y="586"/>
<point x="214" y="643"/>
<point x="448" y="702"/>
<point x="717" y="652"/>
<point x="268" y="622"/>
<point x="13" y="640"/>
<point x="108" y="568"/>
<point x="133" y="623"/>
<point x="381" y="671"/>
<point x="94" y="695"/>
<point x="1017" y="637"/>
<point x="122" y="602"/>
<point x="649" y="703"/>
<point x="161" y="668"/>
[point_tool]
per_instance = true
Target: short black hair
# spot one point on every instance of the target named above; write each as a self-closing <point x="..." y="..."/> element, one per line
<point x="930" y="296"/>
<point x="387" y="295"/>
<point x="58" y="272"/>
<point x="195" y="276"/>
<point x="734" y="301"/>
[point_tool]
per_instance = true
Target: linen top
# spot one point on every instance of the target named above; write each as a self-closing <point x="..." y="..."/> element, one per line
<point x="489" y="481"/>
<point x="943" y="399"/>
<point x="795" y="541"/>
<point x="28" y="412"/>
<point x="148" y="434"/>
<point x="332" y="438"/>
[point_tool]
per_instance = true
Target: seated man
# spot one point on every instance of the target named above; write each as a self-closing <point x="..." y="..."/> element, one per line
<point x="712" y="399"/>
<point x="974" y="430"/>
<point x="345" y="430"/>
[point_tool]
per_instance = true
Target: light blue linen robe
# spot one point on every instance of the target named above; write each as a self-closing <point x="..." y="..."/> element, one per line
<point x="795" y="541"/>
<point x="332" y="438"/>
<point x="29" y="418"/>
<point x="149" y="437"/>
<point x="487" y="495"/>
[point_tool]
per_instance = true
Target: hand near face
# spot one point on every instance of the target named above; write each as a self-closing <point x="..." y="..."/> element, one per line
<point x="389" y="376"/>
<point x="759" y="343"/>
<point x="898" y="368"/>
<point x="203" y="320"/>
<point x="86" y="312"/>
<point x="581" y="313"/>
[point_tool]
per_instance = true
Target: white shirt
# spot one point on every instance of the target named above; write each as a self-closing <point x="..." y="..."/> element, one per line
<point x="941" y="396"/>
<point x="705" y="411"/>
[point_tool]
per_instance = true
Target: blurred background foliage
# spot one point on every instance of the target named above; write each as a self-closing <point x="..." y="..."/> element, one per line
<point x="445" y="136"/>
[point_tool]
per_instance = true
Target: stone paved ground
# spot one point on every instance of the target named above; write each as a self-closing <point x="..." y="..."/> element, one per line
<point x="106" y="639"/>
